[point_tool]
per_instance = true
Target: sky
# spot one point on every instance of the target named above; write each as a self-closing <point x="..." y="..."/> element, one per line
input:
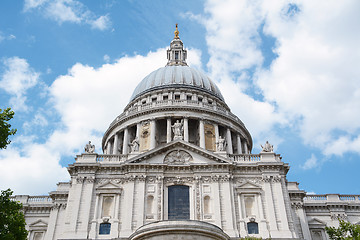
<point x="288" y="69"/>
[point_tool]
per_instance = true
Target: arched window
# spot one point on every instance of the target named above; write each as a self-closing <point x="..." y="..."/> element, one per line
<point x="178" y="203"/>
<point x="253" y="228"/>
<point x="105" y="228"/>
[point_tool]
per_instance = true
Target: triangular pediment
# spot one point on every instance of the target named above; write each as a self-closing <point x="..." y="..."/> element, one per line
<point x="107" y="186"/>
<point x="38" y="223"/>
<point x="316" y="222"/>
<point x="179" y="153"/>
<point x="249" y="185"/>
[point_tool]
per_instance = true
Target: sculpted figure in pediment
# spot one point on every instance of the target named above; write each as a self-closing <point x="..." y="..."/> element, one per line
<point x="177" y="157"/>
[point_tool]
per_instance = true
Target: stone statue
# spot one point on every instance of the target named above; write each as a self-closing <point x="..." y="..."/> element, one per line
<point x="268" y="147"/>
<point x="221" y="144"/>
<point x="134" y="145"/>
<point x="89" y="148"/>
<point x="178" y="130"/>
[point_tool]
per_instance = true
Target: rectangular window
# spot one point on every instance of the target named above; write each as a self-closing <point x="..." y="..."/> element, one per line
<point x="176" y="55"/>
<point x="166" y="97"/>
<point x="188" y="97"/>
<point x="177" y="97"/>
<point x="104" y="228"/>
<point x="178" y="203"/>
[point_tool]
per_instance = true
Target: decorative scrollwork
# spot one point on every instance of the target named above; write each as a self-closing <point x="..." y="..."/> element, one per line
<point x="177" y="157"/>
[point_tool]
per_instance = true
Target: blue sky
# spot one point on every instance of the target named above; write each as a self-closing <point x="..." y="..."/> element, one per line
<point x="288" y="69"/>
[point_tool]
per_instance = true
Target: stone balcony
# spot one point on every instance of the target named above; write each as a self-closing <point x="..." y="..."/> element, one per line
<point x="183" y="103"/>
<point x="122" y="158"/>
<point x="33" y="200"/>
<point x="331" y="198"/>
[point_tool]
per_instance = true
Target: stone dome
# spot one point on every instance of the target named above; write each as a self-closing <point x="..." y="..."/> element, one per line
<point x="177" y="76"/>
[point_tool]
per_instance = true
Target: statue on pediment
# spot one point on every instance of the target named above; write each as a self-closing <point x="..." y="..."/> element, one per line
<point x="134" y="145"/>
<point x="221" y="144"/>
<point x="89" y="148"/>
<point x="267" y="147"/>
<point x="178" y="129"/>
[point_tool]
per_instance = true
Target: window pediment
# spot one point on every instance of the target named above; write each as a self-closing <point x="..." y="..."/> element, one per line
<point x="249" y="187"/>
<point x="108" y="187"/>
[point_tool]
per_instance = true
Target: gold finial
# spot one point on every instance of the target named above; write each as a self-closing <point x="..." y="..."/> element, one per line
<point x="176" y="32"/>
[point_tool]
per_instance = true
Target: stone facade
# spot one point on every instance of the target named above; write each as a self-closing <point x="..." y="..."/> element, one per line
<point x="177" y="164"/>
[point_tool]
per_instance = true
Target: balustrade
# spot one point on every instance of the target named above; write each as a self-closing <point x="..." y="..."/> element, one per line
<point x="245" y="157"/>
<point x="39" y="199"/>
<point x="111" y="158"/>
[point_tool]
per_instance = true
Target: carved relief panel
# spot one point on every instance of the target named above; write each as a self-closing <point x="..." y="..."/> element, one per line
<point x="210" y="137"/>
<point x="145" y="136"/>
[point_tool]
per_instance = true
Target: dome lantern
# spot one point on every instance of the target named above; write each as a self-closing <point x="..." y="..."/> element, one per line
<point x="176" y="55"/>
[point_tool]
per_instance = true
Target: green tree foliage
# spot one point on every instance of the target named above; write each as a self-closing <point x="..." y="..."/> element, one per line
<point x="345" y="231"/>
<point x="5" y="130"/>
<point x="12" y="220"/>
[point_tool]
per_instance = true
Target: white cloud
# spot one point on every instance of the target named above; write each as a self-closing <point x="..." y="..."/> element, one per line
<point x="29" y="4"/>
<point x="17" y="78"/>
<point x="106" y="58"/>
<point x="310" y="163"/>
<point x="233" y="42"/>
<point x="101" y="23"/>
<point x="316" y="78"/>
<point x="314" y="81"/>
<point x="68" y="11"/>
<point x="87" y="99"/>
<point x="38" y="120"/>
<point x="4" y="37"/>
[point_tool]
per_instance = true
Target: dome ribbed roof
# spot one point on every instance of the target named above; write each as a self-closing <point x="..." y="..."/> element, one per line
<point x="176" y="76"/>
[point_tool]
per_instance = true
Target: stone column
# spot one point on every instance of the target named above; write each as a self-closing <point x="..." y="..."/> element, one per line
<point x="108" y="149"/>
<point x="239" y="146"/>
<point x="229" y="141"/>
<point x="138" y="128"/>
<point x="216" y="135"/>
<point x="202" y="133"/>
<point x="246" y="151"/>
<point x="116" y="144"/>
<point x="186" y="129"/>
<point x="152" y="134"/>
<point x="125" y="149"/>
<point x="168" y="130"/>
